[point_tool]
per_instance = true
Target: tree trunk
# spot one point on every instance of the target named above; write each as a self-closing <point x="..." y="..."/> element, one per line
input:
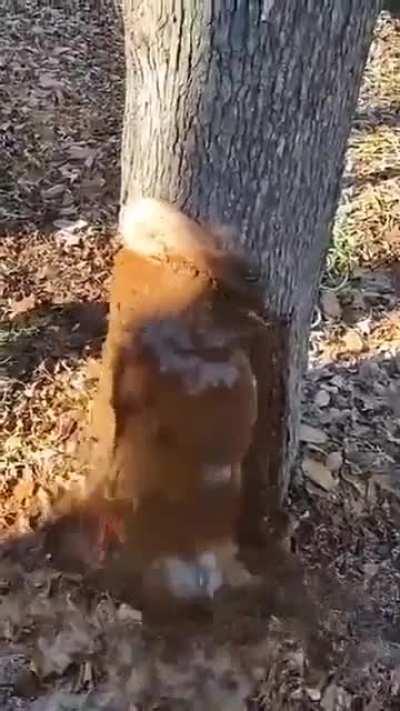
<point x="238" y="113"/>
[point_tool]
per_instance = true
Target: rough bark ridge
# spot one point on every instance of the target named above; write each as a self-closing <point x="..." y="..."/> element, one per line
<point x="238" y="113"/>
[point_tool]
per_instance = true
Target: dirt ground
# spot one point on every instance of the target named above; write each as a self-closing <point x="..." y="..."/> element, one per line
<point x="63" y="644"/>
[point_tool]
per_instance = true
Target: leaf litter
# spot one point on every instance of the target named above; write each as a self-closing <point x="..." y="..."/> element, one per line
<point x="65" y="644"/>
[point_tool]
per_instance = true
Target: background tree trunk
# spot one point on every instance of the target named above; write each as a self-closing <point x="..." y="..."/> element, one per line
<point x="238" y="112"/>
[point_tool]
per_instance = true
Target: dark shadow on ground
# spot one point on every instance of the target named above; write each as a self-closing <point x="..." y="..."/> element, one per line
<point x="334" y="542"/>
<point x="373" y="178"/>
<point x="375" y="117"/>
<point x="62" y="99"/>
<point x="50" y="333"/>
<point x="339" y="539"/>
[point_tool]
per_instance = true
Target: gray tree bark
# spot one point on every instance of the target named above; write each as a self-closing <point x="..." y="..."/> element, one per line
<point x="238" y="112"/>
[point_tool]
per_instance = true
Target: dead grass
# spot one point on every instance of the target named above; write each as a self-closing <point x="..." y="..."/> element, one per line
<point x="364" y="227"/>
<point x="370" y="206"/>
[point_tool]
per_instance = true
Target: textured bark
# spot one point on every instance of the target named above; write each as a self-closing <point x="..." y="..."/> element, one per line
<point x="238" y="112"/>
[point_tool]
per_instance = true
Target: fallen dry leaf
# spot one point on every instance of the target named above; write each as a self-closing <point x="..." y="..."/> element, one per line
<point x="392" y="237"/>
<point x="80" y="152"/>
<point x="53" y="192"/>
<point x="352" y="342"/>
<point x="48" y="81"/>
<point x="313" y="693"/>
<point x="330" y="305"/>
<point x="93" y="369"/>
<point x="395" y="682"/>
<point x="322" y="398"/>
<point x="334" y="698"/>
<point x="334" y="461"/>
<point x="68" y="239"/>
<point x="126" y="613"/>
<point x="312" y="435"/>
<point x="24" y="488"/>
<point x="22" y="306"/>
<point x="69" y="225"/>
<point x="319" y="474"/>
